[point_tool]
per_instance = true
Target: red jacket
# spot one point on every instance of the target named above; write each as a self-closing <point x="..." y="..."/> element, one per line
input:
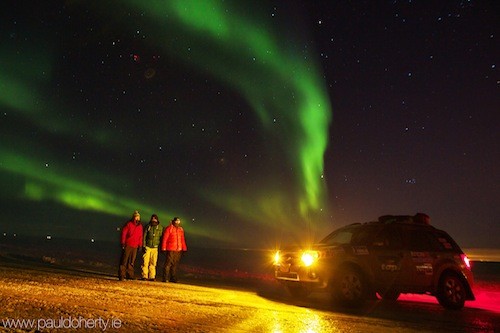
<point x="173" y="239"/>
<point x="132" y="234"/>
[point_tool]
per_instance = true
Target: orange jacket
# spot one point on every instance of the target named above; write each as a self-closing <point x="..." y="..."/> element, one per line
<point x="173" y="239"/>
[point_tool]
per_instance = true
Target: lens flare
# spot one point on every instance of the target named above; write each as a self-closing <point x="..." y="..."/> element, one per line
<point x="309" y="257"/>
<point x="277" y="257"/>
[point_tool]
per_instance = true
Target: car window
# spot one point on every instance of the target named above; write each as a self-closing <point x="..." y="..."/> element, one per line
<point x="339" y="237"/>
<point x="364" y="235"/>
<point x="423" y="240"/>
<point x="389" y="238"/>
<point x="446" y="242"/>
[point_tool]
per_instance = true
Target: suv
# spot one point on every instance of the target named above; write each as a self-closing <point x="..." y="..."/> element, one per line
<point x="394" y="255"/>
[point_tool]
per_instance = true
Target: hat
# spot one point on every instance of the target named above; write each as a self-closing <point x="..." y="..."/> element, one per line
<point x="157" y="220"/>
<point x="136" y="213"/>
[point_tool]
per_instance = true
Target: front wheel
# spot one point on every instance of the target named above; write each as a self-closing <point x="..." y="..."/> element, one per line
<point x="451" y="292"/>
<point x="349" y="287"/>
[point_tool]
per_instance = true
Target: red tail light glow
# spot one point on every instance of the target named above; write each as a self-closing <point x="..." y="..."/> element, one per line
<point x="465" y="260"/>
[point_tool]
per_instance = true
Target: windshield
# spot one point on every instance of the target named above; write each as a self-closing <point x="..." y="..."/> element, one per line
<point x="339" y="237"/>
<point x="355" y="235"/>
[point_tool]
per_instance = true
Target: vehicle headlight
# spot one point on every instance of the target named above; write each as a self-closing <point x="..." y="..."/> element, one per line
<point x="309" y="257"/>
<point x="277" y="258"/>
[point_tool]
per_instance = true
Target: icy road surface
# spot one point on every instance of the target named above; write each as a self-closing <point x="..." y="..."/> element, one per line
<point x="45" y="297"/>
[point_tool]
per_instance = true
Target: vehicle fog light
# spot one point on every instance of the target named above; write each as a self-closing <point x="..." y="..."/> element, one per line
<point x="277" y="258"/>
<point x="309" y="257"/>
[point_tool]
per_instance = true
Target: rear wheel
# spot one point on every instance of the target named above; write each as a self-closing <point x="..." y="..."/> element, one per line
<point x="349" y="287"/>
<point x="451" y="292"/>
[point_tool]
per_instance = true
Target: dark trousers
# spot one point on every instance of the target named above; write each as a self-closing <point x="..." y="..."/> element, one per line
<point x="127" y="262"/>
<point x="171" y="264"/>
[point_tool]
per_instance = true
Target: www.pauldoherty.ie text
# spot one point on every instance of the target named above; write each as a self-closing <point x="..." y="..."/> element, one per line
<point x="69" y="322"/>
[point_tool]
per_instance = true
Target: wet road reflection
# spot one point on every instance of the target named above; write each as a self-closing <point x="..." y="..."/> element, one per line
<point x="410" y="313"/>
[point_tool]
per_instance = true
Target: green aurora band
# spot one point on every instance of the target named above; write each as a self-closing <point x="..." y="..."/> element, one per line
<point x="49" y="184"/>
<point x="211" y="36"/>
<point x="279" y="84"/>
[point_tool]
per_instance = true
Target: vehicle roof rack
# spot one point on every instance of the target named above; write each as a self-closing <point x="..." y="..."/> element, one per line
<point x="395" y="218"/>
<point x="419" y="218"/>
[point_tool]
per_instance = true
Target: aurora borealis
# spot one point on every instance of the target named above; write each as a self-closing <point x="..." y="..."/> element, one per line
<point x="292" y="109"/>
<point x="237" y="116"/>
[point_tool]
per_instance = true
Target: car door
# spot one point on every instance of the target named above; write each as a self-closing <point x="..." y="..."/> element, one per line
<point x="387" y="253"/>
<point x="420" y="258"/>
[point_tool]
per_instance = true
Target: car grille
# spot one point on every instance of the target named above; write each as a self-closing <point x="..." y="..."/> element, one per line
<point x="287" y="275"/>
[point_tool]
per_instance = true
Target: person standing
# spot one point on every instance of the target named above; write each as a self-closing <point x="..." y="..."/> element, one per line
<point x="151" y="240"/>
<point x="174" y="243"/>
<point x="131" y="240"/>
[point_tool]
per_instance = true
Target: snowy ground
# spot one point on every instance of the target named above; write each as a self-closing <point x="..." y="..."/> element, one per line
<point x="47" y="297"/>
<point x="50" y="285"/>
<point x="51" y="298"/>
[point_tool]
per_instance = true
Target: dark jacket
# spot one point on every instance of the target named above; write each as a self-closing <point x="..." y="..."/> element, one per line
<point x="152" y="235"/>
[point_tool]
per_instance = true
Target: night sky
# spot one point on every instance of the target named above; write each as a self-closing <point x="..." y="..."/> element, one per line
<point x="255" y="122"/>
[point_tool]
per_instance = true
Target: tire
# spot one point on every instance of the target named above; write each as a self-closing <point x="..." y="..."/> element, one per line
<point x="297" y="291"/>
<point x="451" y="292"/>
<point x="349" y="287"/>
<point x="389" y="295"/>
